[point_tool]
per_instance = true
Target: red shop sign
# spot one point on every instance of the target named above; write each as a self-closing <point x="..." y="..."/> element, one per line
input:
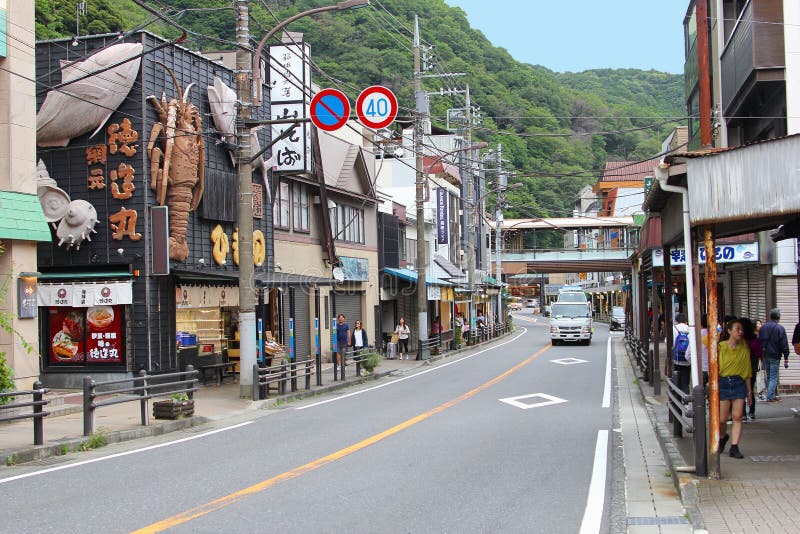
<point x="104" y="334"/>
<point x="66" y="334"/>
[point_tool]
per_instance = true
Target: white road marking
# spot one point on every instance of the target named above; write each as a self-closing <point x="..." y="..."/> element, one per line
<point x="549" y="401"/>
<point x="607" y="387"/>
<point x="595" y="502"/>
<point x="568" y="361"/>
<point x="120" y="454"/>
<point x="359" y="392"/>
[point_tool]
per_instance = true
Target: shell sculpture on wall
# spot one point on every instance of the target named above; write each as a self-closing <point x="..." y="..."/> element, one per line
<point x="87" y="104"/>
<point x="75" y="219"/>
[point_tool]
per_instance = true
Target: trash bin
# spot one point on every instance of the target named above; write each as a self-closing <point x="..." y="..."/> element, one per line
<point x="391" y="351"/>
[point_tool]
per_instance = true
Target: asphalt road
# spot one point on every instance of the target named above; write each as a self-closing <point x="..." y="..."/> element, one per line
<point x="504" y="440"/>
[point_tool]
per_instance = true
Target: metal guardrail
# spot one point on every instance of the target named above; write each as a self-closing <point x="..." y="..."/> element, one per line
<point x="679" y="404"/>
<point x="145" y="386"/>
<point x="280" y="376"/>
<point x="36" y="403"/>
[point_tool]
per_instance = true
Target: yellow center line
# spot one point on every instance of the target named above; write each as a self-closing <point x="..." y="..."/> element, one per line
<point x="236" y="496"/>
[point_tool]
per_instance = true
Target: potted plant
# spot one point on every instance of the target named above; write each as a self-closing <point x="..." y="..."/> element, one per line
<point x="177" y="406"/>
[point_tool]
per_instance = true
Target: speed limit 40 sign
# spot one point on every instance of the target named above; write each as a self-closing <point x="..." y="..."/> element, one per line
<point x="376" y="107"/>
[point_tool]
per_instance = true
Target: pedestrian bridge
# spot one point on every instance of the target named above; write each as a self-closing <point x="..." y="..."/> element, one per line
<point x="598" y="244"/>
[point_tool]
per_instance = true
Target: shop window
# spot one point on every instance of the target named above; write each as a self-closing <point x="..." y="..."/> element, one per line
<point x="300" y="207"/>
<point x="280" y="209"/>
<point x="84" y="336"/>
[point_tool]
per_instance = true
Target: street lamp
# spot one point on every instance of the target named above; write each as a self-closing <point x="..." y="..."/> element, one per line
<point x="422" y="286"/>
<point x="248" y="70"/>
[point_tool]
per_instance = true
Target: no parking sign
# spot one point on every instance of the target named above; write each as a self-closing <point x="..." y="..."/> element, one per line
<point x="376" y="107"/>
<point x="330" y="109"/>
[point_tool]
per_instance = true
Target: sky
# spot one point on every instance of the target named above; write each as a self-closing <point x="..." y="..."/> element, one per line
<point x="576" y="35"/>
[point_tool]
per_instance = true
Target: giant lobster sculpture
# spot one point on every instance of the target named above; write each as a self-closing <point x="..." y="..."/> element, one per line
<point x="177" y="154"/>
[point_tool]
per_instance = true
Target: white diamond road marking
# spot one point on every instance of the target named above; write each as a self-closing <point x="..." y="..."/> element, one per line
<point x="569" y="361"/>
<point x="548" y="400"/>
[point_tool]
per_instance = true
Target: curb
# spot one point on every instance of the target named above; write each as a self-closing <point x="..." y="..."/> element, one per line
<point x="685" y="483"/>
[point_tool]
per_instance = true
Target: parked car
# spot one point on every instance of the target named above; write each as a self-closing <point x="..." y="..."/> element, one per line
<point x="617" y="318"/>
<point x="515" y="304"/>
<point x="531" y="303"/>
<point x="571" y="322"/>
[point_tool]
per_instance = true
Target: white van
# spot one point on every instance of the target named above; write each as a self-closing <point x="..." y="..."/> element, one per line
<point x="570" y="321"/>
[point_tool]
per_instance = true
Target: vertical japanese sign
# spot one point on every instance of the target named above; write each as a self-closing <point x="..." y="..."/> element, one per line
<point x="441" y="216"/>
<point x="104" y="334"/>
<point x="27" y="298"/>
<point x="290" y="96"/>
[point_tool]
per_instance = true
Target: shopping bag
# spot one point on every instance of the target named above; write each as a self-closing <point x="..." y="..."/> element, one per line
<point x="761" y="381"/>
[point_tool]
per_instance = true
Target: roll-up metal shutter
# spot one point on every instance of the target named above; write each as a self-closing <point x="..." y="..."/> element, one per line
<point x="349" y="303"/>
<point x="757" y="291"/>
<point x="739" y="303"/>
<point x="786" y="301"/>
<point x="302" y="323"/>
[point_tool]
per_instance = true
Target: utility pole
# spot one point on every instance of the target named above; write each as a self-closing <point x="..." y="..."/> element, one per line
<point x="420" y="114"/>
<point x="247" y="300"/>
<point x="502" y="182"/>
<point x="470" y="227"/>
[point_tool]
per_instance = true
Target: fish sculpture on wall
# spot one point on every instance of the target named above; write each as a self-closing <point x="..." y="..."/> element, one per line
<point x="222" y="100"/>
<point x="88" y="103"/>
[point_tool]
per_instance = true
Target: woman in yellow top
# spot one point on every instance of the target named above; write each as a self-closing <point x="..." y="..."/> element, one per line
<point x="735" y="375"/>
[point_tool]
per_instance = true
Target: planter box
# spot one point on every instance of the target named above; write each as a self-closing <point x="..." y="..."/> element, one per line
<point x="173" y="410"/>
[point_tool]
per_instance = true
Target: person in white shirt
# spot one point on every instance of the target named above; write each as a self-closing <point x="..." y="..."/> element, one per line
<point x="358" y="339"/>
<point x="403" y="332"/>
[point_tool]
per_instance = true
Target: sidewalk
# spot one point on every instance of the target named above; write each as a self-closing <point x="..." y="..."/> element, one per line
<point x="756" y="494"/>
<point x="63" y="429"/>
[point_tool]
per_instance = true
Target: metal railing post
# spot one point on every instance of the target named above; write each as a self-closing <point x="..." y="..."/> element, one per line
<point x="38" y="423"/>
<point x="190" y="376"/>
<point x="650" y="366"/>
<point x="293" y="372"/>
<point x="256" y="387"/>
<point x="142" y="383"/>
<point x="308" y="375"/>
<point x="318" y="362"/>
<point x="284" y="376"/>
<point x="699" y="417"/>
<point x="88" y="409"/>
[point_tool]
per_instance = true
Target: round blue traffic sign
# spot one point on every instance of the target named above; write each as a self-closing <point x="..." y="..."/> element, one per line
<point x="330" y="109"/>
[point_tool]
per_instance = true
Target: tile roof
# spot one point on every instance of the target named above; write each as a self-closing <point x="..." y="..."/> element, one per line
<point x="627" y="171"/>
<point x="22" y="218"/>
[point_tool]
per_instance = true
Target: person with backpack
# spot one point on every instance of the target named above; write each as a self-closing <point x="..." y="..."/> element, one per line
<point x="682" y="351"/>
<point x="774" y="345"/>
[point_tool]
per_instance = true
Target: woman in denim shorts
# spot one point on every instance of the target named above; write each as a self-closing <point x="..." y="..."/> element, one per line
<point x="735" y="373"/>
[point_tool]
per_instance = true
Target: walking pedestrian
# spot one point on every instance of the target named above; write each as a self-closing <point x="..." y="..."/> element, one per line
<point x="682" y="351"/>
<point x="773" y="344"/>
<point x="734" y="385"/>
<point x="342" y="340"/>
<point x="358" y="338"/>
<point x="403" y="332"/>
<point x="755" y="363"/>
<point x="465" y="329"/>
<point x="796" y="339"/>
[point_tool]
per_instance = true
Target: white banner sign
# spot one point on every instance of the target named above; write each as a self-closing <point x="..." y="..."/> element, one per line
<point x="739" y="253"/>
<point x="434" y="293"/>
<point x="290" y="96"/>
<point x="85" y="295"/>
<point x="206" y="296"/>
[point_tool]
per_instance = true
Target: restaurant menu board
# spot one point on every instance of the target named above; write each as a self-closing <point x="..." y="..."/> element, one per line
<point x="104" y="334"/>
<point x="91" y="335"/>
<point x="66" y="334"/>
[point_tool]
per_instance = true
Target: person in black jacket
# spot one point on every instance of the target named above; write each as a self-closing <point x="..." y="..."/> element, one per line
<point x="774" y="345"/>
<point x="358" y="338"/>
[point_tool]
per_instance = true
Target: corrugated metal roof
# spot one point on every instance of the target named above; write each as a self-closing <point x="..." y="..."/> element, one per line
<point x="22" y="218"/>
<point x="627" y="171"/>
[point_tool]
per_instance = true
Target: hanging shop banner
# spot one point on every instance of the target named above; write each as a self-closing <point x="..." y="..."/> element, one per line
<point x="355" y="269"/>
<point x="104" y="334"/>
<point x="85" y="295"/>
<point x="290" y="83"/>
<point x="441" y="216"/>
<point x="743" y="252"/>
<point x="434" y="293"/>
<point x="206" y="296"/>
<point x="66" y="334"/>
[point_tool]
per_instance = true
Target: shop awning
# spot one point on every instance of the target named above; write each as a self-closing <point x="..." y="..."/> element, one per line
<point x="21" y="217"/>
<point x="411" y="276"/>
<point x="94" y="275"/>
<point x="290" y="279"/>
<point x="491" y="281"/>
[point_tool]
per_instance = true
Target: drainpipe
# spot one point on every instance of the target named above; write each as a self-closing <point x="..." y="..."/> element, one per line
<point x="662" y="174"/>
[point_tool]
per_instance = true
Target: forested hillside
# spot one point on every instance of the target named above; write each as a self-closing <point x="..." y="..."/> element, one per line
<point x="556" y="128"/>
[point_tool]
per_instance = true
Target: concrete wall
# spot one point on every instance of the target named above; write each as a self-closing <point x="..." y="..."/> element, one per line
<point x="17" y="173"/>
